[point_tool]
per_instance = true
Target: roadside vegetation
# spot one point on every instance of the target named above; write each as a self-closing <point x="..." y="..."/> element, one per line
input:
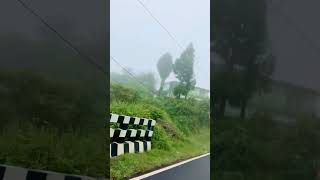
<point x="182" y="129"/>
<point x="51" y="125"/>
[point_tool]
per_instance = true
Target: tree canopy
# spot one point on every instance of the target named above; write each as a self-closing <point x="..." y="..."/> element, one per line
<point x="183" y="69"/>
<point x="240" y="39"/>
<point x="164" y="66"/>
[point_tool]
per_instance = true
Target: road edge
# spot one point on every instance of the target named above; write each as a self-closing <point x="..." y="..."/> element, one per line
<point x="168" y="167"/>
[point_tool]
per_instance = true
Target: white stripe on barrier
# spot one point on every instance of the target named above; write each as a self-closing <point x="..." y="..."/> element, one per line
<point x="141" y="150"/>
<point x="150" y="133"/>
<point x="111" y="132"/>
<point x="133" y="133"/>
<point x="120" y="148"/>
<point x="114" y="118"/>
<point x="12" y="173"/>
<point x="142" y="133"/>
<point x="123" y="133"/>
<point x="148" y="145"/>
<point x="131" y="146"/>
<point x="136" y="121"/>
<point x="153" y="123"/>
<point x="126" y="120"/>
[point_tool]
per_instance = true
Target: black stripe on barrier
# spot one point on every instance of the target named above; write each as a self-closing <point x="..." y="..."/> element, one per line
<point x="124" y="126"/>
<point x="145" y="146"/>
<point x="136" y="147"/>
<point x="2" y="171"/>
<point x="138" y="133"/>
<point x="72" y="178"/>
<point x="120" y="119"/>
<point x="141" y="121"/>
<point x="126" y="147"/>
<point x="114" y="149"/>
<point x="132" y="119"/>
<point x="33" y="175"/>
<point x="116" y="133"/>
<point x="147" y="134"/>
<point x="149" y="125"/>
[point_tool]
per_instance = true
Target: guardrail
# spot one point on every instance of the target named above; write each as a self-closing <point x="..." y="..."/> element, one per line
<point x="18" y="173"/>
<point x="128" y="135"/>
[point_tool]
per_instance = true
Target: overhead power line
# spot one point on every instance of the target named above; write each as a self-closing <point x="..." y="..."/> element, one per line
<point x="166" y="30"/>
<point x="60" y="36"/>
<point x="133" y="76"/>
<point x="161" y="25"/>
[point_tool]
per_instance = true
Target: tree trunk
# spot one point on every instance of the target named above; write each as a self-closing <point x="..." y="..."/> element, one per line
<point x="243" y="109"/>
<point x="161" y="87"/>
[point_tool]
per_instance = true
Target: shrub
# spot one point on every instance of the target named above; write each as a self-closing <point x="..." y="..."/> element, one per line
<point x="124" y="94"/>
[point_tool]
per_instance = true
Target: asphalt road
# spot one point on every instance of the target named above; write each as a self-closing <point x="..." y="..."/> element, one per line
<point x="198" y="169"/>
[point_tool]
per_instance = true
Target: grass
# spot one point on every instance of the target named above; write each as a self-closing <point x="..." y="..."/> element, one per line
<point x="127" y="165"/>
<point x="69" y="153"/>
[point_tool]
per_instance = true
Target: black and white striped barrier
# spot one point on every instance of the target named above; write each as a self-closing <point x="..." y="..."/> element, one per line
<point x="126" y="139"/>
<point x="17" y="173"/>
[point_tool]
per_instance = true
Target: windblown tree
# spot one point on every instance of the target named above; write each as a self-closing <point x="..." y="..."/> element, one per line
<point x="240" y="39"/>
<point x="164" y="69"/>
<point x="183" y="69"/>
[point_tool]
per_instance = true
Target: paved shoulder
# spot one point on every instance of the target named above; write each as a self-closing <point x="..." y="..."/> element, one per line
<point x="198" y="169"/>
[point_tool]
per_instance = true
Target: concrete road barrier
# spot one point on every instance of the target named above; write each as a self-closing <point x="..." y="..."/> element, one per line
<point x="17" y="173"/>
<point x="132" y="135"/>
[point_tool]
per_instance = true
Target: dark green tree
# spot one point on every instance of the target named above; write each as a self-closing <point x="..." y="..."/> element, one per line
<point x="240" y="39"/>
<point x="164" y="69"/>
<point x="183" y="69"/>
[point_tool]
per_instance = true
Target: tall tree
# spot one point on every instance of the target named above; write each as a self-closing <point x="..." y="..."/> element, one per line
<point x="164" y="69"/>
<point x="240" y="39"/>
<point x="183" y="69"/>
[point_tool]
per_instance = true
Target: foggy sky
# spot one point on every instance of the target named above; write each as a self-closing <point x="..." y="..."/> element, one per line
<point x="137" y="41"/>
<point x="297" y="58"/>
<point x="79" y="21"/>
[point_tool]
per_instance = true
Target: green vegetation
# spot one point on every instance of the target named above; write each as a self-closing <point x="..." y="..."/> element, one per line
<point x="181" y="130"/>
<point x="128" y="165"/>
<point x="261" y="148"/>
<point x="183" y="69"/>
<point x="164" y="69"/>
<point x="51" y="125"/>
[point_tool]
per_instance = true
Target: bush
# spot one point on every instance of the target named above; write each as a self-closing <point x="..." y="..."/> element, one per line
<point x="124" y="94"/>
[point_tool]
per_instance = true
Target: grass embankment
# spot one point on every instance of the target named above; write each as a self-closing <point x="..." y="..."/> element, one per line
<point x="129" y="164"/>
<point x="181" y="132"/>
